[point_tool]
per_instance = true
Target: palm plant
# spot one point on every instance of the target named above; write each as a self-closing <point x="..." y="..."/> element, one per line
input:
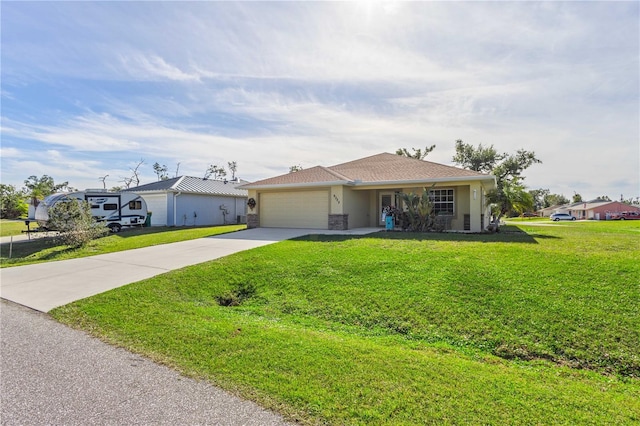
<point x="509" y="196"/>
<point x="419" y="210"/>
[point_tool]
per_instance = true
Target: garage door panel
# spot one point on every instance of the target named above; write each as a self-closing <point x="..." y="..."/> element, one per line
<point x="308" y="209"/>
<point x="157" y="204"/>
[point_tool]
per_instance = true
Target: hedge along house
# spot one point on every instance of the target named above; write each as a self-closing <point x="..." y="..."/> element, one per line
<point x="192" y="201"/>
<point x="354" y="194"/>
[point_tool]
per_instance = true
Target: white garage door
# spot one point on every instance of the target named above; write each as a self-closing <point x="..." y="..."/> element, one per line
<point x="308" y="209"/>
<point x="157" y="205"/>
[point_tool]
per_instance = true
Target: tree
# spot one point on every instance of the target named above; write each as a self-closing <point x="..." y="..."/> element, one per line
<point x="215" y="172"/>
<point x="73" y="220"/>
<point x="538" y="196"/>
<point x="104" y="181"/>
<point x="543" y="198"/>
<point x="161" y="171"/>
<point x="126" y="181"/>
<point x="293" y="169"/>
<point x="135" y="177"/>
<point x="555" y="200"/>
<point x="233" y="166"/>
<point x="39" y="187"/>
<point x="511" y="197"/>
<point x="509" y="194"/>
<point x="480" y="159"/>
<point x="577" y="198"/>
<point x="633" y="201"/>
<point x="418" y="154"/>
<point x="12" y="205"/>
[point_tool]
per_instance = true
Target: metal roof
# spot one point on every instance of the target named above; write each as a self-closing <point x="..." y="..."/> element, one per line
<point x="194" y="185"/>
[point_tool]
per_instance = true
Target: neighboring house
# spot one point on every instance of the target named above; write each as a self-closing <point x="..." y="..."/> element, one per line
<point x="354" y="194"/>
<point x="597" y="209"/>
<point x="187" y="200"/>
<point x="548" y="211"/>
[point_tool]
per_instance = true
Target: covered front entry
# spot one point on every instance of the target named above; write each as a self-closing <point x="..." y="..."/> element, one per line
<point x="296" y="209"/>
<point x="386" y="199"/>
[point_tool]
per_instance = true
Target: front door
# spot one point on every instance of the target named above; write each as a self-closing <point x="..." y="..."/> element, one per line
<point x="386" y="199"/>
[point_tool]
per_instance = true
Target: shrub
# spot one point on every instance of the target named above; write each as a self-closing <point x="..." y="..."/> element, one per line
<point x="72" y="219"/>
<point x="419" y="216"/>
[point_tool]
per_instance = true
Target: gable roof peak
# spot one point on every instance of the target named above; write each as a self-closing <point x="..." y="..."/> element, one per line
<point x="383" y="168"/>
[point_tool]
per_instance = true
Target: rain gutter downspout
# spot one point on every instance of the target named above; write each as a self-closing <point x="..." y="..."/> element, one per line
<point x="175" y="207"/>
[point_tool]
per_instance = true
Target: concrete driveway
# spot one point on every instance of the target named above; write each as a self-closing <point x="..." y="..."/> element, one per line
<point x="45" y="286"/>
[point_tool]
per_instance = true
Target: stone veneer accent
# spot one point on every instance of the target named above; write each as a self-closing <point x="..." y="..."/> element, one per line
<point x="253" y="221"/>
<point x="338" y="222"/>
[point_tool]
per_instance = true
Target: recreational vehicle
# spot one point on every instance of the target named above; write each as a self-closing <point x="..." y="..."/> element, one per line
<point x="116" y="209"/>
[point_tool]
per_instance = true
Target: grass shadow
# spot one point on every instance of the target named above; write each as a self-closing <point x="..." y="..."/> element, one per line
<point x="21" y="251"/>
<point x="507" y="234"/>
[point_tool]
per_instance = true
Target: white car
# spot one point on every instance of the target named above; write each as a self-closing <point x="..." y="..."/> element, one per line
<point x="561" y="216"/>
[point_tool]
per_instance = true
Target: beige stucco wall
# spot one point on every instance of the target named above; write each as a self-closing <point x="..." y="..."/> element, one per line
<point x="362" y="204"/>
<point x="462" y="207"/>
<point x="356" y="205"/>
<point x="336" y="198"/>
<point x="464" y="204"/>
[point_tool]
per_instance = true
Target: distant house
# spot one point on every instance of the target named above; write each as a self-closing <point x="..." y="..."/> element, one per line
<point x="355" y="194"/>
<point x="192" y="201"/>
<point x="548" y="211"/>
<point x="597" y="209"/>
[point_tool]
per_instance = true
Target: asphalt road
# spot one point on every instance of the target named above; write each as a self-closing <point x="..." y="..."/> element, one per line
<point x="53" y="375"/>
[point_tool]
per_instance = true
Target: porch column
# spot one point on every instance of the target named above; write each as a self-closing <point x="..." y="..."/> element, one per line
<point x="475" y="210"/>
<point x="337" y="200"/>
<point x="338" y="219"/>
<point x="253" y="214"/>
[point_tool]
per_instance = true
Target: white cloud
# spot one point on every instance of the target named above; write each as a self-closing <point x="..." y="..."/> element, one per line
<point x="275" y="84"/>
<point x="6" y="152"/>
<point x="153" y="67"/>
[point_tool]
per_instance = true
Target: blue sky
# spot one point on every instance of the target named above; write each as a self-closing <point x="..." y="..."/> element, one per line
<point x="91" y="88"/>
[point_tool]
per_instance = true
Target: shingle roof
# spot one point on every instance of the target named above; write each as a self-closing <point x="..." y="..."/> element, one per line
<point x="378" y="168"/>
<point x="588" y="205"/>
<point x="194" y="185"/>
<point x="312" y="175"/>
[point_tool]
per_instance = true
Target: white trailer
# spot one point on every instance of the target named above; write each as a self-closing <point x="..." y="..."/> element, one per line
<point x="116" y="209"/>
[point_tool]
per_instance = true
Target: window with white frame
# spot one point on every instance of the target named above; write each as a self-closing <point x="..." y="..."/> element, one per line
<point x="443" y="201"/>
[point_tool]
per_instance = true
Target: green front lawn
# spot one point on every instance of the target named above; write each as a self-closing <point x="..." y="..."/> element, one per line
<point x="12" y="227"/>
<point x="45" y="249"/>
<point x="538" y="324"/>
